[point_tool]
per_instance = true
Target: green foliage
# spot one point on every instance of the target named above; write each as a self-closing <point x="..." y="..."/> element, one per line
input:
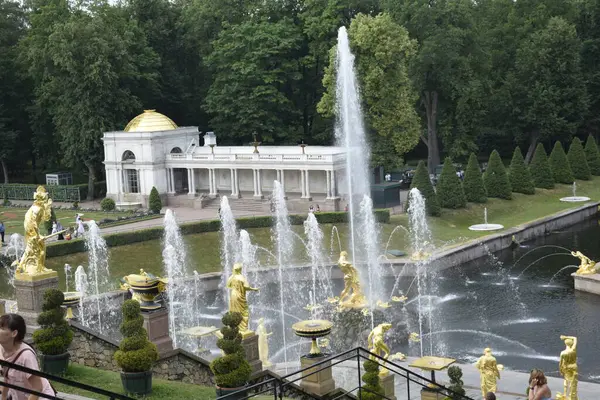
<point x="48" y="224"/>
<point x="372" y="382"/>
<point x="473" y="182"/>
<point x="561" y="170"/>
<point x="55" y="335"/>
<point x="495" y="178"/>
<point x="592" y="155"/>
<point x="422" y="182"/>
<point x="449" y="187"/>
<point x="456" y="384"/>
<point x="231" y="370"/>
<point x="155" y="204"/>
<point x="107" y="204"/>
<point x="539" y="168"/>
<point x="136" y="353"/>
<point x="578" y="161"/>
<point x="518" y="173"/>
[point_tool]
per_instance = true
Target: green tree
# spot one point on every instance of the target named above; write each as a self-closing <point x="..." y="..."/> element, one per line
<point x="539" y="168"/>
<point x="561" y="171"/>
<point x="372" y="382"/>
<point x="231" y="369"/>
<point x="578" y="161"/>
<point x="154" y="202"/>
<point x="592" y="156"/>
<point x="519" y="176"/>
<point x="495" y="178"/>
<point x="422" y="182"/>
<point x="449" y="187"/>
<point x="473" y="183"/>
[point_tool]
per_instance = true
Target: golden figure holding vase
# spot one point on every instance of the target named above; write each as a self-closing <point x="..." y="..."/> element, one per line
<point x="568" y="367"/>
<point x="263" y="343"/>
<point x="351" y="296"/>
<point x="239" y="286"/>
<point x="587" y="266"/>
<point x="489" y="371"/>
<point x="377" y="346"/>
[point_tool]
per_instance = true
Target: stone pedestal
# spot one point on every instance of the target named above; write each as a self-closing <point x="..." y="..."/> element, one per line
<point x="30" y="291"/>
<point x="250" y="343"/>
<point x="431" y="394"/>
<point x="387" y="383"/>
<point x="587" y="283"/>
<point x="320" y="383"/>
<point x="157" y="324"/>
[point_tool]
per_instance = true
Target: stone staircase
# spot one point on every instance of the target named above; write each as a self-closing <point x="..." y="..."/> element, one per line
<point x="243" y="206"/>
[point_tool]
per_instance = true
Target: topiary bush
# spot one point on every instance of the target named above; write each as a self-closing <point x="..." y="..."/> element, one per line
<point x="473" y="182"/>
<point x="561" y="170"/>
<point x="372" y="382"/>
<point x="578" y="161"/>
<point x="231" y="370"/>
<point x="107" y="204"/>
<point x="449" y="187"/>
<point x="495" y="178"/>
<point x="518" y="174"/>
<point x="422" y="182"/>
<point x="154" y="202"/>
<point x="592" y="155"/>
<point x="539" y="168"/>
<point x="456" y="384"/>
<point x="136" y="353"/>
<point x="55" y="335"/>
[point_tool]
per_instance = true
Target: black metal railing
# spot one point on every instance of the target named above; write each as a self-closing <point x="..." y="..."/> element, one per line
<point x="278" y="386"/>
<point x="57" y="379"/>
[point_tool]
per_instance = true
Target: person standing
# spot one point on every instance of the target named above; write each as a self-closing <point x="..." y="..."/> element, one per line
<point x="538" y="386"/>
<point x="2" y="230"/>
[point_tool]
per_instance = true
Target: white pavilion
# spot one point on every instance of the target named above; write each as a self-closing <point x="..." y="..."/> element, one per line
<point x="152" y="151"/>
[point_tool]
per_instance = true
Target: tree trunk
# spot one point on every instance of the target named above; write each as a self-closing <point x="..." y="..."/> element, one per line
<point x="5" y="170"/>
<point x="433" y="150"/>
<point x="532" y="145"/>
<point x="91" y="180"/>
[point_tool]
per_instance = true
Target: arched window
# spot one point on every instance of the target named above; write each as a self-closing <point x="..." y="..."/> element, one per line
<point x="128" y="155"/>
<point x="176" y="150"/>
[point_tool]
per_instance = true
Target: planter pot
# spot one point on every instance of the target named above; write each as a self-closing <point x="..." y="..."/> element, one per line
<point x="54" y="365"/>
<point x="240" y="393"/>
<point x="137" y="382"/>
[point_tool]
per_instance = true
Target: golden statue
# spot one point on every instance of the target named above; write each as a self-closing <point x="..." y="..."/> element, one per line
<point x="33" y="261"/>
<point x="238" y="285"/>
<point x="352" y="295"/>
<point x="568" y="367"/>
<point x="377" y="346"/>
<point x="587" y="266"/>
<point x="489" y="370"/>
<point x="263" y="343"/>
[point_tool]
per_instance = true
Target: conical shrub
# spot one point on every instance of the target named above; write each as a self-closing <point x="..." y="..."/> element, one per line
<point x="495" y="178"/>
<point x="136" y="353"/>
<point x="518" y="174"/>
<point x="578" y="161"/>
<point x="473" y="182"/>
<point x="372" y="389"/>
<point x="539" y="168"/>
<point x="559" y="165"/>
<point x="422" y="182"/>
<point x="449" y="187"/>
<point x="231" y="370"/>
<point x="592" y="155"/>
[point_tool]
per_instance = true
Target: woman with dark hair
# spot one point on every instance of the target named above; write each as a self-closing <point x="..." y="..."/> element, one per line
<point x="14" y="350"/>
<point x="538" y="386"/>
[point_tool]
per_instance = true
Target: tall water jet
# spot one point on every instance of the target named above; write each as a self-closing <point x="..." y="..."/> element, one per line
<point x="321" y="281"/>
<point x="14" y="252"/>
<point x="229" y="244"/>
<point x="98" y="270"/>
<point x="81" y="286"/>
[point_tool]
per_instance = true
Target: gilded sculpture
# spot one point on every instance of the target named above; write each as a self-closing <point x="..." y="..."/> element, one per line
<point x="376" y="343"/>
<point x="587" y="266"/>
<point x="489" y="371"/>
<point x="568" y="367"/>
<point x="263" y="343"/>
<point x="239" y="286"/>
<point x="351" y="296"/>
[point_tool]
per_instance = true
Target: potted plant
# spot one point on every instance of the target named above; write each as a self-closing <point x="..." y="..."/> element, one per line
<point x="54" y="337"/>
<point x="136" y="353"/>
<point x="456" y="384"/>
<point x="372" y="389"/>
<point x="232" y="370"/>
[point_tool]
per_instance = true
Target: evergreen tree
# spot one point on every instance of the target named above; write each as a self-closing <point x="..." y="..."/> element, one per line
<point x="519" y="176"/>
<point x="539" y="168"/>
<point x="372" y="389"/>
<point x="422" y="182"/>
<point x="592" y="156"/>
<point x="154" y="202"/>
<point x="449" y="187"/>
<point x="578" y="161"/>
<point x="473" y="183"/>
<point x="561" y="171"/>
<point x="495" y="178"/>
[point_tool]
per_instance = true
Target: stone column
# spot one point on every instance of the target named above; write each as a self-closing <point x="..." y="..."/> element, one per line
<point x="237" y="183"/>
<point x="328" y="182"/>
<point x="156" y="324"/>
<point x="173" y="179"/>
<point x="250" y="344"/>
<point x="211" y="182"/>
<point x="258" y="184"/>
<point x="232" y="181"/>
<point x="319" y="383"/>
<point x="254" y="182"/>
<point x="189" y="176"/>
<point x="307" y="185"/>
<point x="333" y="185"/>
<point x="30" y="291"/>
<point x="302" y="184"/>
<point x="141" y="183"/>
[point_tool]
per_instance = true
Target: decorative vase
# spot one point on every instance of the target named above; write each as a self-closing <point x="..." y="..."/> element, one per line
<point x="137" y="382"/>
<point x="54" y="364"/>
<point x="240" y="393"/>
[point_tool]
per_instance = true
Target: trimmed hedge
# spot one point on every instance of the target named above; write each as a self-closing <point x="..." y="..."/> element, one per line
<point x="55" y="335"/>
<point x="473" y="184"/>
<point x="495" y="178"/>
<point x="372" y="382"/>
<point x="449" y="187"/>
<point x="539" y="168"/>
<point x="578" y="161"/>
<point x="136" y="353"/>
<point x="422" y="182"/>
<point x="561" y="170"/>
<point x="518" y="174"/>
<point x="592" y="155"/>
<point x="231" y="370"/>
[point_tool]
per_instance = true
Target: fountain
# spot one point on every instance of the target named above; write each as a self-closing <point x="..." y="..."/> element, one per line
<point x="485" y="226"/>
<point x="98" y="274"/>
<point x="229" y="243"/>
<point x="574" y="198"/>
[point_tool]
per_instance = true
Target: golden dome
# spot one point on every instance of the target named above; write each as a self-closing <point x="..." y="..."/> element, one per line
<point x="150" y="121"/>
